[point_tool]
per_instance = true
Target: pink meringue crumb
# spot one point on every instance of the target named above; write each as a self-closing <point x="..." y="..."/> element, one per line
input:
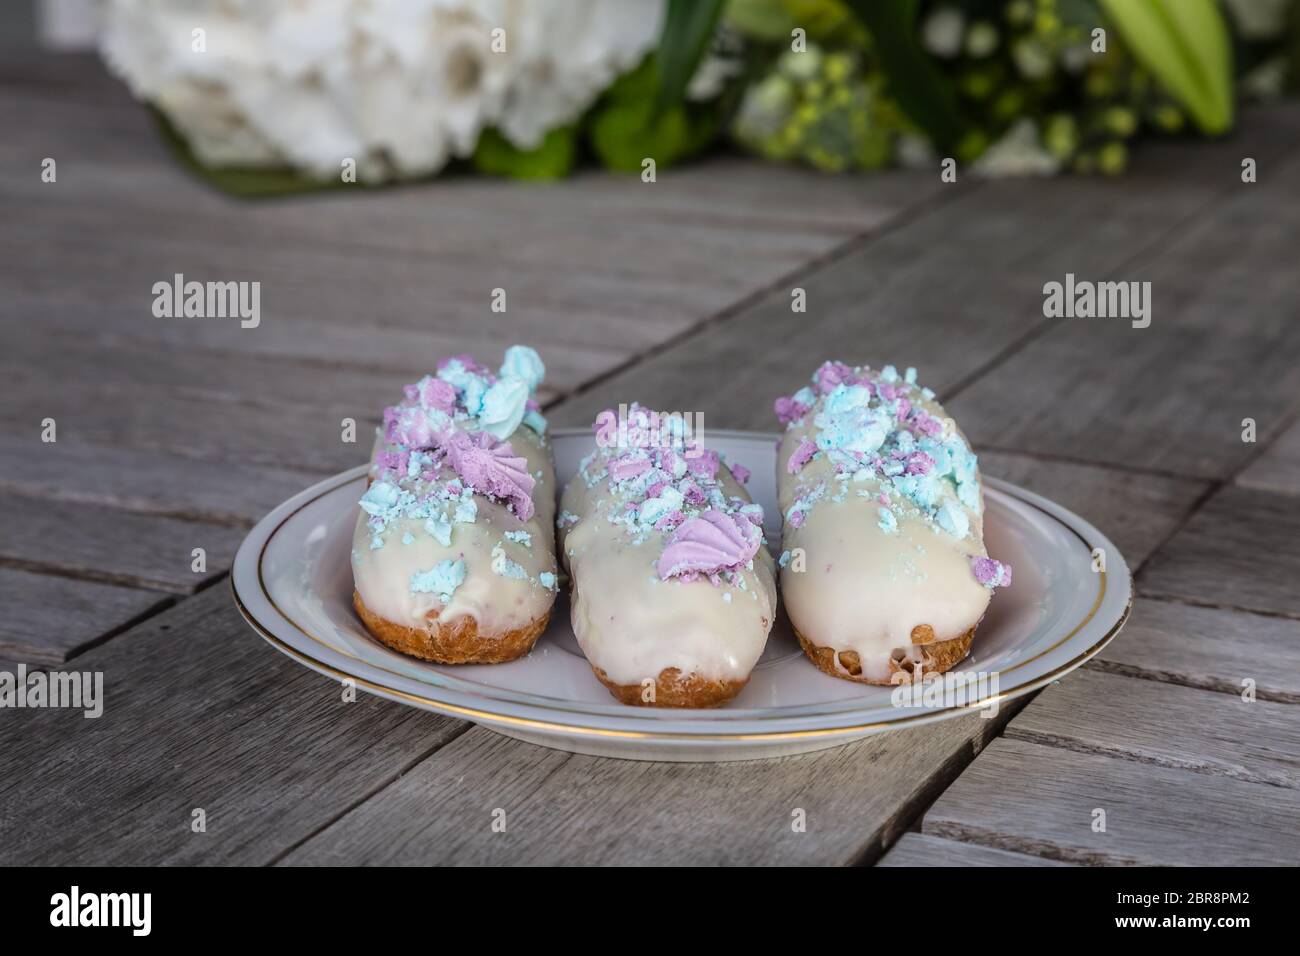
<point x="802" y="455"/>
<point x="710" y="543"/>
<point x="628" y="466"/>
<point x="831" y="374"/>
<point x="492" y="468"/>
<point x="670" y="521"/>
<point x="704" y="464"/>
<point x="788" y="410"/>
<point x="919" y="463"/>
<point x="740" y="473"/>
<point x="991" y="573"/>
<point x="435" y="393"/>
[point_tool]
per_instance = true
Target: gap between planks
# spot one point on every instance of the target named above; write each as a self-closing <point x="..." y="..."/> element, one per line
<point x="383" y="784"/>
<point x="805" y="270"/>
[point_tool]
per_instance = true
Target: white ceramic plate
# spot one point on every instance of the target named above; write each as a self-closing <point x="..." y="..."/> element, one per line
<point x="293" y="583"/>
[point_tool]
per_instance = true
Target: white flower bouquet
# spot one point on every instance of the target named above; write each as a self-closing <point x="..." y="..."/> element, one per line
<point x="268" y="96"/>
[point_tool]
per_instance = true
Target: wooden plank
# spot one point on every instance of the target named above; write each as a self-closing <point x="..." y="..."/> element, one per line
<point x="877" y="300"/>
<point x="1136" y="514"/>
<point x="1278" y="468"/>
<point x="287" y="436"/>
<point x="50" y="619"/>
<point x="398" y="354"/>
<point x="374" y="295"/>
<point x="114" y="547"/>
<point x="1208" y="648"/>
<point x="198" y="713"/>
<point x="1092" y="711"/>
<point x="1238" y="552"/>
<point x="923" y="849"/>
<point x="40" y="360"/>
<point x="1171" y="401"/>
<point x="569" y="809"/>
<point x="66" y="77"/>
<point x="1028" y="798"/>
<point x="1171" y="397"/>
<point x="151" y="482"/>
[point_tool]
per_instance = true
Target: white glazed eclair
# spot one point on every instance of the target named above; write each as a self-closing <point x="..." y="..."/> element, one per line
<point x="453" y="557"/>
<point x="673" y="588"/>
<point x="883" y="569"/>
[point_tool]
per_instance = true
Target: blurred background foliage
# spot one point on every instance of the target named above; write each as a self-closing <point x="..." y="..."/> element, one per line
<point x="1006" y="87"/>
<point x="1012" y="86"/>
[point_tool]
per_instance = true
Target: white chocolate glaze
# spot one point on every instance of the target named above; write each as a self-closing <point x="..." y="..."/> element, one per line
<point x="856" y="578"/>
<point x="497" y="603"/>
<point x="633" y="624"/>
<point x="459" y="518"/>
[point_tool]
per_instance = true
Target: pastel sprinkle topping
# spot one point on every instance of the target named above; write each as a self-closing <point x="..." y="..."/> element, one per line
<point x="504" y="567"/>
<point x="990" y="573"/>
<point x="461" y="416"/>
<point x="883" y="434"/>
<point x="442" y="579"/>
<point x="709" y="543"/>
<point x="664" y="481"/>
<point x="872" y="426"/>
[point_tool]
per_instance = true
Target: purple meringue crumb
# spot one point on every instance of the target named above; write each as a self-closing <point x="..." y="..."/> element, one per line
<point x="789" y="410"/>
<point x="831" y="374"/>
<point x="439" y="394"/>
<point x="710" y="543"/>
<point x="991" y="573"/>
<point x="802" y="455"/>
<point x="628" y="466"/>
<point x="492" y="468"/>
<point x="704" y="464"/>
<point x="670" y="521"/>
<point x="740" y="473"/>
<point x="919" y="463"/>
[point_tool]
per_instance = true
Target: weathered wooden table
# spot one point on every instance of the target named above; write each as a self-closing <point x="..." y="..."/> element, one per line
<point x="175" y="434"/>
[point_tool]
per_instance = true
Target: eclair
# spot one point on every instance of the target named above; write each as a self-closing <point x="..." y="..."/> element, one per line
<point x="453" y="556"/>
<point x="673" y="587"/>
<point x="883" y="568"/>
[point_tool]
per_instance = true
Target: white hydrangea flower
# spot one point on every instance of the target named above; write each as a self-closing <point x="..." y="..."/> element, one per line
<point x="399" y="86"/>
<point x="1019" y="152"/>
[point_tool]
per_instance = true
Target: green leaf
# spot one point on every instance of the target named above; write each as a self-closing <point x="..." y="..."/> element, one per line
<point x="688" y="28"/>
<point x="626" y="126"/>
<point x="1079" y="13"/>
<point x="625" y="134"/>
<point x="1186" y="44"/>
<point x="912" y="78"/>
<point x="765" y="20"/>
<point x="826" y="21"/>
<point x="554" y="158"/>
